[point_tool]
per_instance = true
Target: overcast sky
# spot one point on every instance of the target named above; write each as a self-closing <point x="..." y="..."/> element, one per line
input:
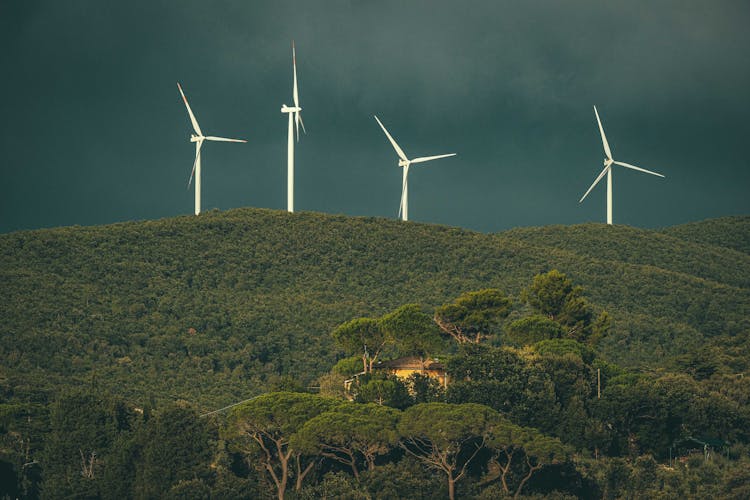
<point x="93" y="130"/>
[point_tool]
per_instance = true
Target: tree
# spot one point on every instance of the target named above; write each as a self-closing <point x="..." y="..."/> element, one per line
<point x="502" y="379"/>
<point x="505" y="441"/>
<point x="553" y="295"/>
<point x="174" y="447"/>
<point x="269" y="421"/>
<point x="539" y="451"/>
<point x="509" y="441"/>
<point x="425" y="389"/>
<point x="22" y="429"/>
<point x="446" y="437"/>
<point x="363" y="335"/>
<point x="388" y="390"/>
<point x="83" y="428"/>
<point x="412" y="331"/>
<point x="348" y="432"/>
<point x="473" y="315"/>
<point x="407" y="478"/>
<point x="532" y="329"/>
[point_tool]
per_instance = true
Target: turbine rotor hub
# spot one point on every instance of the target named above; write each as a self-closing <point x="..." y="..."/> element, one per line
<point x="290" y="109"/>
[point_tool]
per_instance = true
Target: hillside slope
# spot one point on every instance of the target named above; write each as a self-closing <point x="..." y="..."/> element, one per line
<point x="727" y="232"/>
<point x="639" y="246"/>
<point x="215" y="308"/>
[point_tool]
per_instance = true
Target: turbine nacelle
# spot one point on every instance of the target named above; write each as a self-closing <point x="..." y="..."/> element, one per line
<point x="196" y="138"/>
<point x="404" y="163"/>
<point x="290" y="109"/>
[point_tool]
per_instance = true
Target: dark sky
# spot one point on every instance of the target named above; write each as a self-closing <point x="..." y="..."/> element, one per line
<point x="93" y="130"/>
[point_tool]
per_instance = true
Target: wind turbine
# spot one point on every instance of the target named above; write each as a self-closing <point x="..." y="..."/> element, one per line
<point x="294" y="115"/>
<point x="608" y="162"/>
<point x="404" y="162"/>
<point x="198" y="139"/>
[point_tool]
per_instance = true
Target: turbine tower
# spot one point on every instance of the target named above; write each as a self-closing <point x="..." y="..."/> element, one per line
<point x="198" y="139"/>
<point x="608" y="162"/>
<point x="404" y="162"/>
<point x="294" y="115"/>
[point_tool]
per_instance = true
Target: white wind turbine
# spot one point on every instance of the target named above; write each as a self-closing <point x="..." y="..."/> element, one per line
<point x="198" y="139"/>
<point x="294" y="115"/>
<point x="608" y="162"/>
<point x="404" y="162"/>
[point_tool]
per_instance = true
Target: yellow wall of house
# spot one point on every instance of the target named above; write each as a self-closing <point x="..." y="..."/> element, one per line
<point x="407" y="372"/>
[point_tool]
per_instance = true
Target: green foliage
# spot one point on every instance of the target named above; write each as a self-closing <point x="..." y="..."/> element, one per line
<point x="348" y="366"/>
<point x="365" y="336"/>
<point x="702" y="362"/>
<point x="407" y="478"/>
<point x="715" y="249"/>
<point x="191" y="489"/>
<point x="83" y="428"/>
<point x="174" y="448"/>
<point x="425" y="389"/>
<point x="23" y="428"/>
<point x="332" y="385"/>
<point x="726" y="232"/>
<point x="532" y="329"/>
<point x="349" y="433"/>
<point x="387" y="390"/>
<point x="473" y="315"/>
<point x="553" y="295"/>
<point x="446" y="426"/>
<point x="561" y="347"/>
<point x="412" y="331"/>
<point x="278" y="414"/>
<point x="213" y="309"/>
<point x="650" y="415"/>
<point x="210" y="309"/>
<point x="334" y="485"/>
<point x="502" y="379"/>
<point x="265" y="426"/>
<point x="446" y="437"/>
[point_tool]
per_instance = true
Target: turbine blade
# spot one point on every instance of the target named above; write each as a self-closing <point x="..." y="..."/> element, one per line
<point x="197" y="155"/>
<point x="299" y="118"/>
<point x="395" y="146"/>
<point x="428" y="158"/>
<point x="190" y="112"/>
<point x="604" y="137"/>
<point x="295" y="94"/>
<point x="628" y="165"/>
<point x="296" y="123"/>
<point x="223" y="139"/>
<point x="595" y="183"/>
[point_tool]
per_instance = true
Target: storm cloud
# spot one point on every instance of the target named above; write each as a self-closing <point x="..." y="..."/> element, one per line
<point x="93" y="130"/>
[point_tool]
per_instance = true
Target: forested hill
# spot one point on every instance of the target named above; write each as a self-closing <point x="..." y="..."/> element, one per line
<point x="728" y="232"/>
<point x="213" y="309"/>
<point x="649" y="248"/>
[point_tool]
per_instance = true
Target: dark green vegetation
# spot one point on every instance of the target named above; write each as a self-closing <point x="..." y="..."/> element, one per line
<point x="160" y="321"/>
<point x="727" y="232"/>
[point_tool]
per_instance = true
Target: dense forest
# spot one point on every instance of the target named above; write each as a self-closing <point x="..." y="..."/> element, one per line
<point x="119" y="343"/>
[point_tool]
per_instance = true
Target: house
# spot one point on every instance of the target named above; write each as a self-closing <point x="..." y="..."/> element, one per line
<point x="405" y="367"/>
